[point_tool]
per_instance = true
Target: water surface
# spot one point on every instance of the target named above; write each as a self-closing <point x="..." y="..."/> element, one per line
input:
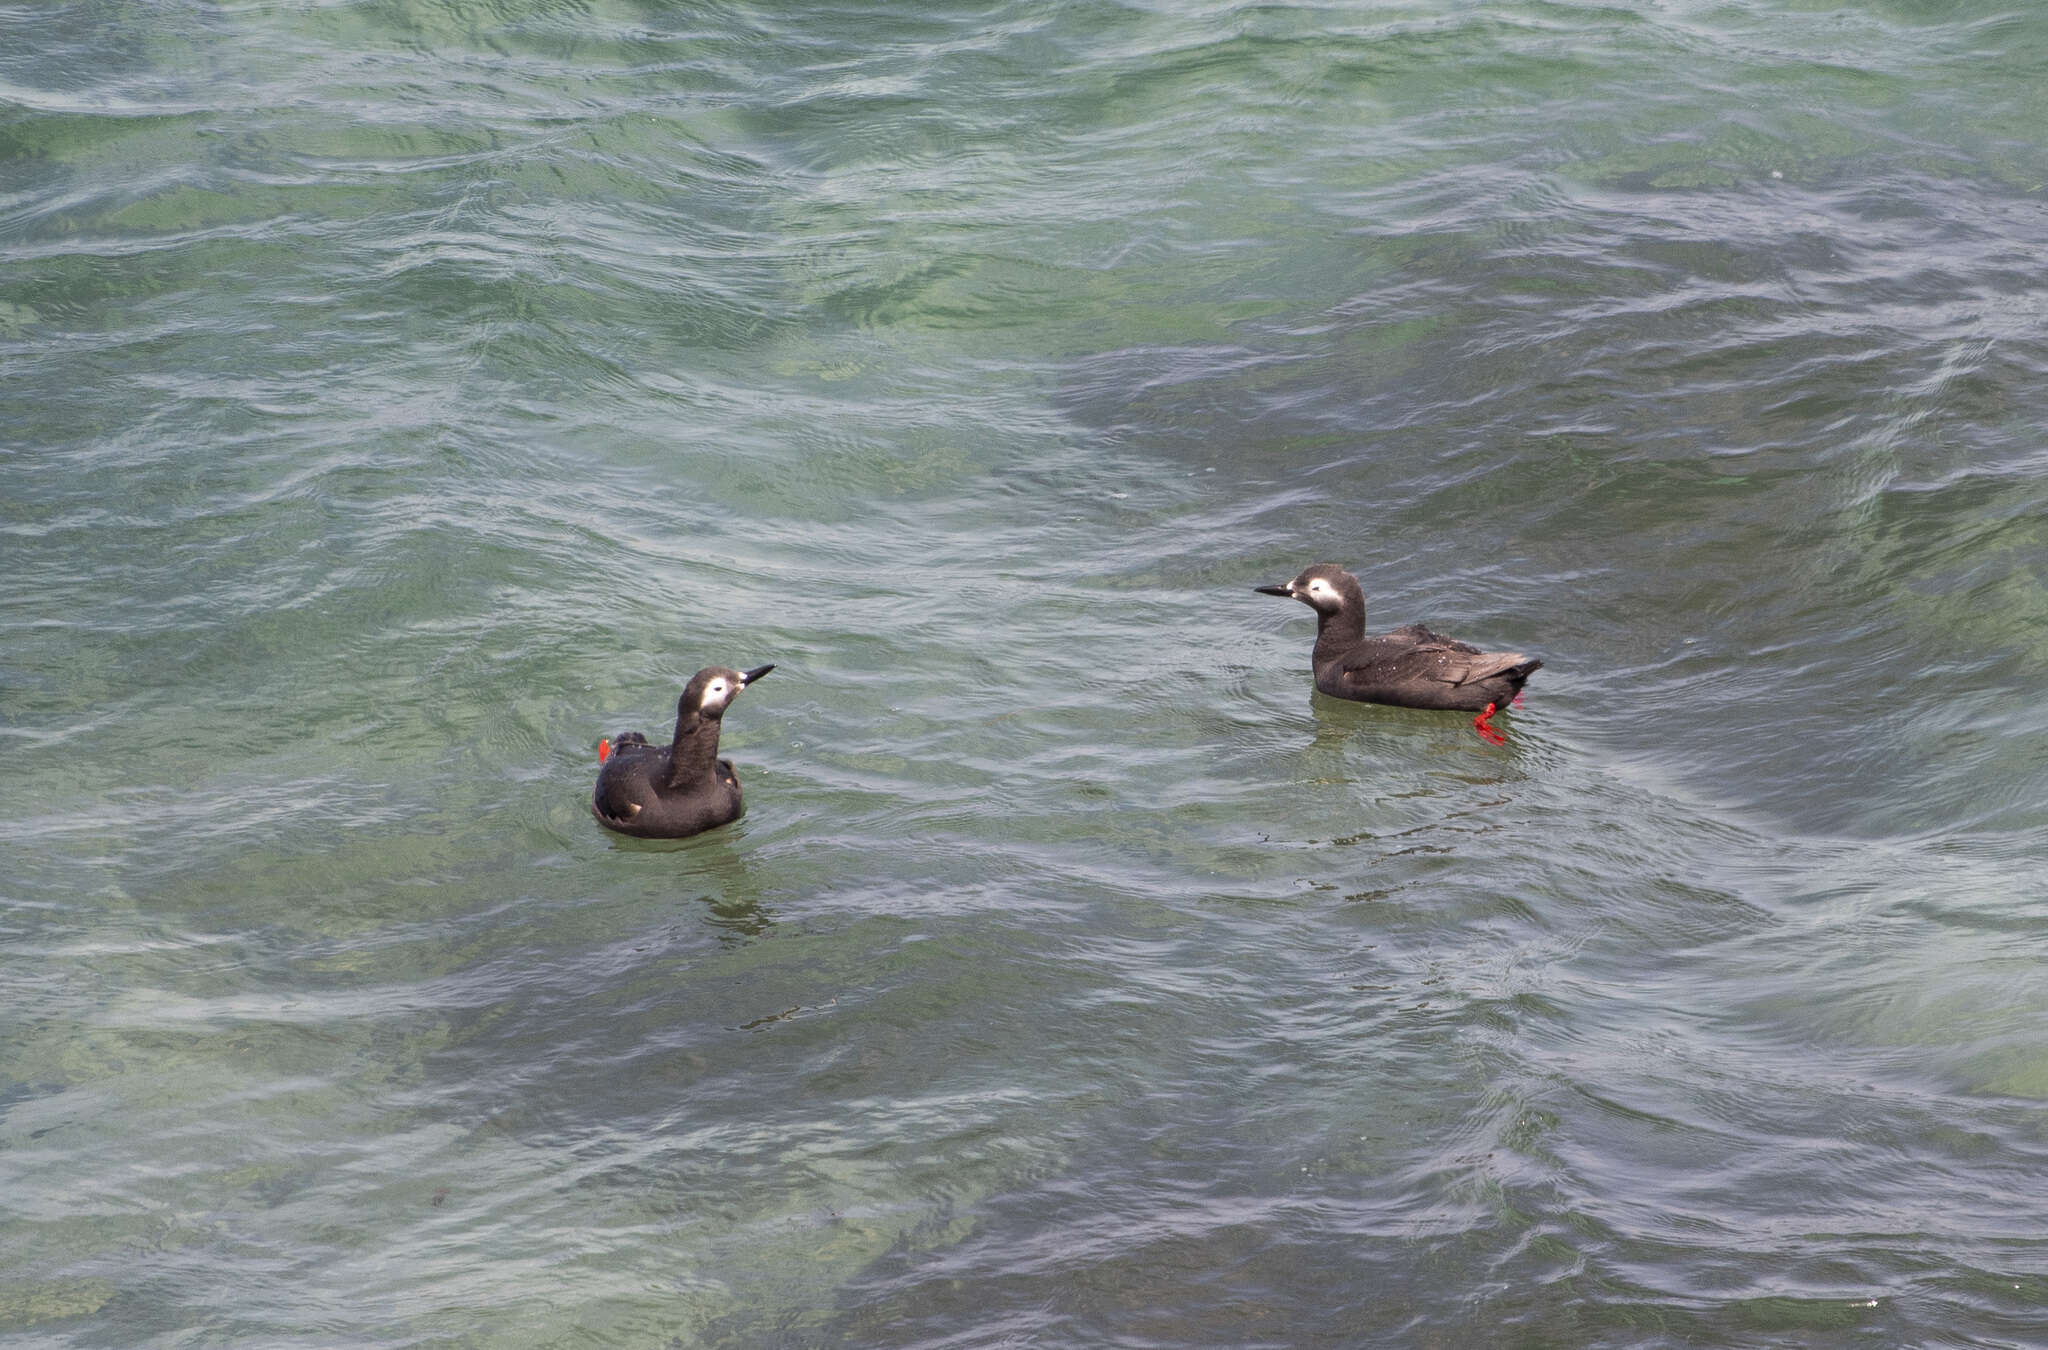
<point x="401" y="397"/>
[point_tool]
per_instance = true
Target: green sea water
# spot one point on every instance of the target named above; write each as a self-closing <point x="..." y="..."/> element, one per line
<point x="399" y="397"/>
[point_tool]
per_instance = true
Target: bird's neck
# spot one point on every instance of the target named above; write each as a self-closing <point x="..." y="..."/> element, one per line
<point x="1338" y="633"/>
<point x="694" y="751"/>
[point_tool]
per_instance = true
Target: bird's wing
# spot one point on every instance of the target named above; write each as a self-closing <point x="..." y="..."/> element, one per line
<point x="1390" y="663"/>
<point x="1486" y="665"/>
<point x="1417" y="635"/>
<point x="1401" y="659"/>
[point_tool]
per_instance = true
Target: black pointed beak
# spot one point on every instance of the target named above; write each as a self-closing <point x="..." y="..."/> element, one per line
<point x="747" y="677"/>
<point x="1275" y="590"/>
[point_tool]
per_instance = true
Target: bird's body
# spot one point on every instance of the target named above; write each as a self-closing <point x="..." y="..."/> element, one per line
<point x="1409" y="667"/>
<point x="1412" y="667"/>
<point x="682" y="788"/>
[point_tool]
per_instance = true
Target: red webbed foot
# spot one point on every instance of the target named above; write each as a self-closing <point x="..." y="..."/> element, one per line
<point x="1485" y="728"/>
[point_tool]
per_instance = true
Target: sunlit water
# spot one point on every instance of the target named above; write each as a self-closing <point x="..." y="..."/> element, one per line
<point x="398" y="398"/>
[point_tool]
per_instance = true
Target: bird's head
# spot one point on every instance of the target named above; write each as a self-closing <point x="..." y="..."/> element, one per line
<point x="711" y="690"/>
<point x="1325" y="588"/>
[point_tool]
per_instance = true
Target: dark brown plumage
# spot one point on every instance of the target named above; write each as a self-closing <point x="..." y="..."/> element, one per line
<point x="682" y="788"/>
<point x="1410" y="667"/>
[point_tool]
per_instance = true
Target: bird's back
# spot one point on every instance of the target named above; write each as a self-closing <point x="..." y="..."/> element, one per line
<point x="633" y="795"/>
<point x="1413" y="667"/>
